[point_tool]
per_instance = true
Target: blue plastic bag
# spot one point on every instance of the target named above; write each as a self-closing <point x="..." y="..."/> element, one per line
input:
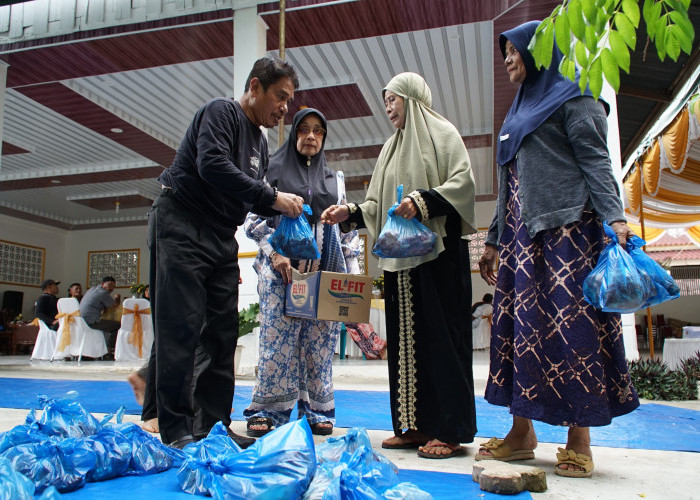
<point x="148" y="454"/>
<point x="665" y="286"/>
<point x="403" y="237"/>
<point x="350" y="469"/>
<point x="294" y="239"/>
<point x="64" y="417"/>
<point x="333" y="448"/>
<point x="279" y="465"/>
<point x="21" y="434"/>
<point x="112" y="453"/>
<point x="60" y="463"/>
<point x="13" y="485"/>
<point x="204" y="461"/>
<point x="615" y="284"/>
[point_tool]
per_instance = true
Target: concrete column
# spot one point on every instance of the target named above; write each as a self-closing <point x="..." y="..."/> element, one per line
<point x="249" y="42"/>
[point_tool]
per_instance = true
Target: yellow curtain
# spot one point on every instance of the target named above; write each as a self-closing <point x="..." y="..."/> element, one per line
<point x="691" y="172"/>
<point x="678" y="198"/>
<point x="667" y="218"/>
<point x="631" y="186"/>
<point x="650" y="233"/>
<point x="694" y="233"/>
<point x="675" y="140"/>
<point x="650" y="167"/>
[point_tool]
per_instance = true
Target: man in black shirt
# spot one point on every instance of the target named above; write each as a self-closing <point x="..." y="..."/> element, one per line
<point x="217" y="177"/>
<point x="46" y="306"/>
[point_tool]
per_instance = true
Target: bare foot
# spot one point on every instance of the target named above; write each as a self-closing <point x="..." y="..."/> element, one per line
<point x="438" y="449"/>
<point x="138" y="385"/>
<point x="151" y="426"/>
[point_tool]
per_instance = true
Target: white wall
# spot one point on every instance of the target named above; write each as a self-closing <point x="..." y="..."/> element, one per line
<point x="38" y="235"/>
<point x="683" y="308"/>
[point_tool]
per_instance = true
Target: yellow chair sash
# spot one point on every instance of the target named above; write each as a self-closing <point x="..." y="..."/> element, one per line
<point x="136" y="335"/>
<point x="65" y="331"/>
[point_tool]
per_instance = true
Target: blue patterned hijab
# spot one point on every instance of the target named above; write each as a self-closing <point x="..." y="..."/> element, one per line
<point x="538" y="97"/>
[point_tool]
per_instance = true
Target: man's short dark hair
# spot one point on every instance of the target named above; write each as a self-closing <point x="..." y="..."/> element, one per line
<point x="269" y="70"/>
<point x="74" y="284"/>
<point x="107" y="279"/>
<point x="488" y="298"/>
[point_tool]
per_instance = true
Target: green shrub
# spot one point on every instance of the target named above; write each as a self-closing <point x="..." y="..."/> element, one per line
<point x="654" y="380"/>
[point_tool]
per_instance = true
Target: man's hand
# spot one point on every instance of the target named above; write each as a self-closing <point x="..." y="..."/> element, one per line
<point x="117" y="298"/>
<point x="335" y="214"/>
<point x="486" y="264"/>
<point x="622" y="231"/>
<point x="283" y="265"/>
<point x="289" y="204"/>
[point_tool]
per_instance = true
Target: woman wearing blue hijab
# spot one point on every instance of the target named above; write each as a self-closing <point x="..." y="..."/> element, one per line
<point x="554" y="357"/>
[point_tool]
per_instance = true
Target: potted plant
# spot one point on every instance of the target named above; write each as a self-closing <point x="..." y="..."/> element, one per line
<point x="248" y="319"/>
<point x="378" y="283"/>
<point x="137" y="290"/>
<point x="247" y="322"/>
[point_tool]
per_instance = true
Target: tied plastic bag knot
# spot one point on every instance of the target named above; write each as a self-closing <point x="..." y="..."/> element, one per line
<point x="294" y="239"/>
<point x="65" y="417"/>
<point x="402" y="237"/>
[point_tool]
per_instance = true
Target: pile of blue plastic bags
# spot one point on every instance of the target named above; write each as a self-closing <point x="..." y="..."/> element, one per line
<point x="66" y="446"/>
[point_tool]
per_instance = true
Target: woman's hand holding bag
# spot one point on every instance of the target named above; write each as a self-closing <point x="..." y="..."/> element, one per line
<point x="626" y="280"/>
<point x="402" y="237"/>
<point x="294" y="239"/>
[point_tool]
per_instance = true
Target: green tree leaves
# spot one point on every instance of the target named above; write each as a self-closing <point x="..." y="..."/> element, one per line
<point x="596" y="36"/>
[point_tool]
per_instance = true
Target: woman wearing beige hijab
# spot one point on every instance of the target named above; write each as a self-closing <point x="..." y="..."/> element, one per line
<point x="427" y="297"/>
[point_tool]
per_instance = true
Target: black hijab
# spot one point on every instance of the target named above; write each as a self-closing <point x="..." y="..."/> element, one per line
<point x="289" y="172"/>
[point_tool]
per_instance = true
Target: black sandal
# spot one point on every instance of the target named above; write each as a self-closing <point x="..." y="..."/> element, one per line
<point x="259" y="421"/>
<point x="321" y="430"/>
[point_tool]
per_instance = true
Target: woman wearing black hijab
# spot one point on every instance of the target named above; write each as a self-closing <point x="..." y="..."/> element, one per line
<point x="296" y="354"/>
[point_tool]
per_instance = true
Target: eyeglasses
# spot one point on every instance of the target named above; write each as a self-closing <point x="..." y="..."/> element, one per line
<point x="305" y="130"/>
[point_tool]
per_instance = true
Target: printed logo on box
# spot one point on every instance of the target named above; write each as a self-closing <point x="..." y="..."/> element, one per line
<point x="346" y="289"/>
<point x="300" y="293"/>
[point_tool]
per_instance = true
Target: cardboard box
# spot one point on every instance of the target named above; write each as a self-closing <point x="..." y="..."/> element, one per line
<point x="329" y="296"/>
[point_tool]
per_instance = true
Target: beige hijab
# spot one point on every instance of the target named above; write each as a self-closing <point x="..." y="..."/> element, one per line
<point x="428" y="153"/>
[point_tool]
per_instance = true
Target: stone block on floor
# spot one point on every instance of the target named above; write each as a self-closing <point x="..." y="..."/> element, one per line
<point x="508" y="479"/>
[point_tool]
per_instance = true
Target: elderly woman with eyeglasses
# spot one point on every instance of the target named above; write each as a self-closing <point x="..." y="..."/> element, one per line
<point x="296" y="354"/>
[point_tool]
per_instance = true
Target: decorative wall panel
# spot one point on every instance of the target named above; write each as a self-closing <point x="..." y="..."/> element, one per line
<point x="122" y="265"/>
<point x="21" y="264"/>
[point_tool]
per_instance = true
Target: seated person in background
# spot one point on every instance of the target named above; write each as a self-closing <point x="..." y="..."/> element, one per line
<point x="75" y="290"/>
<point x="481" y="322"/>
<point x="95" y="301"/>
<point x="45" y="307"/>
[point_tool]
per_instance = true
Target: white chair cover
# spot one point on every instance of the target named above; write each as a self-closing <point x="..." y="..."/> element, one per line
<point x="124" y="350"/>
<point x="45" y="342"/>
<point x="84" y="341"/>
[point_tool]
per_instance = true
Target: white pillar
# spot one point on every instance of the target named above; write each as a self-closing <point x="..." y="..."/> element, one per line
<point x="249" y="43"/>
<point x="629" y="334"/>
<point x="3" y="86"/>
